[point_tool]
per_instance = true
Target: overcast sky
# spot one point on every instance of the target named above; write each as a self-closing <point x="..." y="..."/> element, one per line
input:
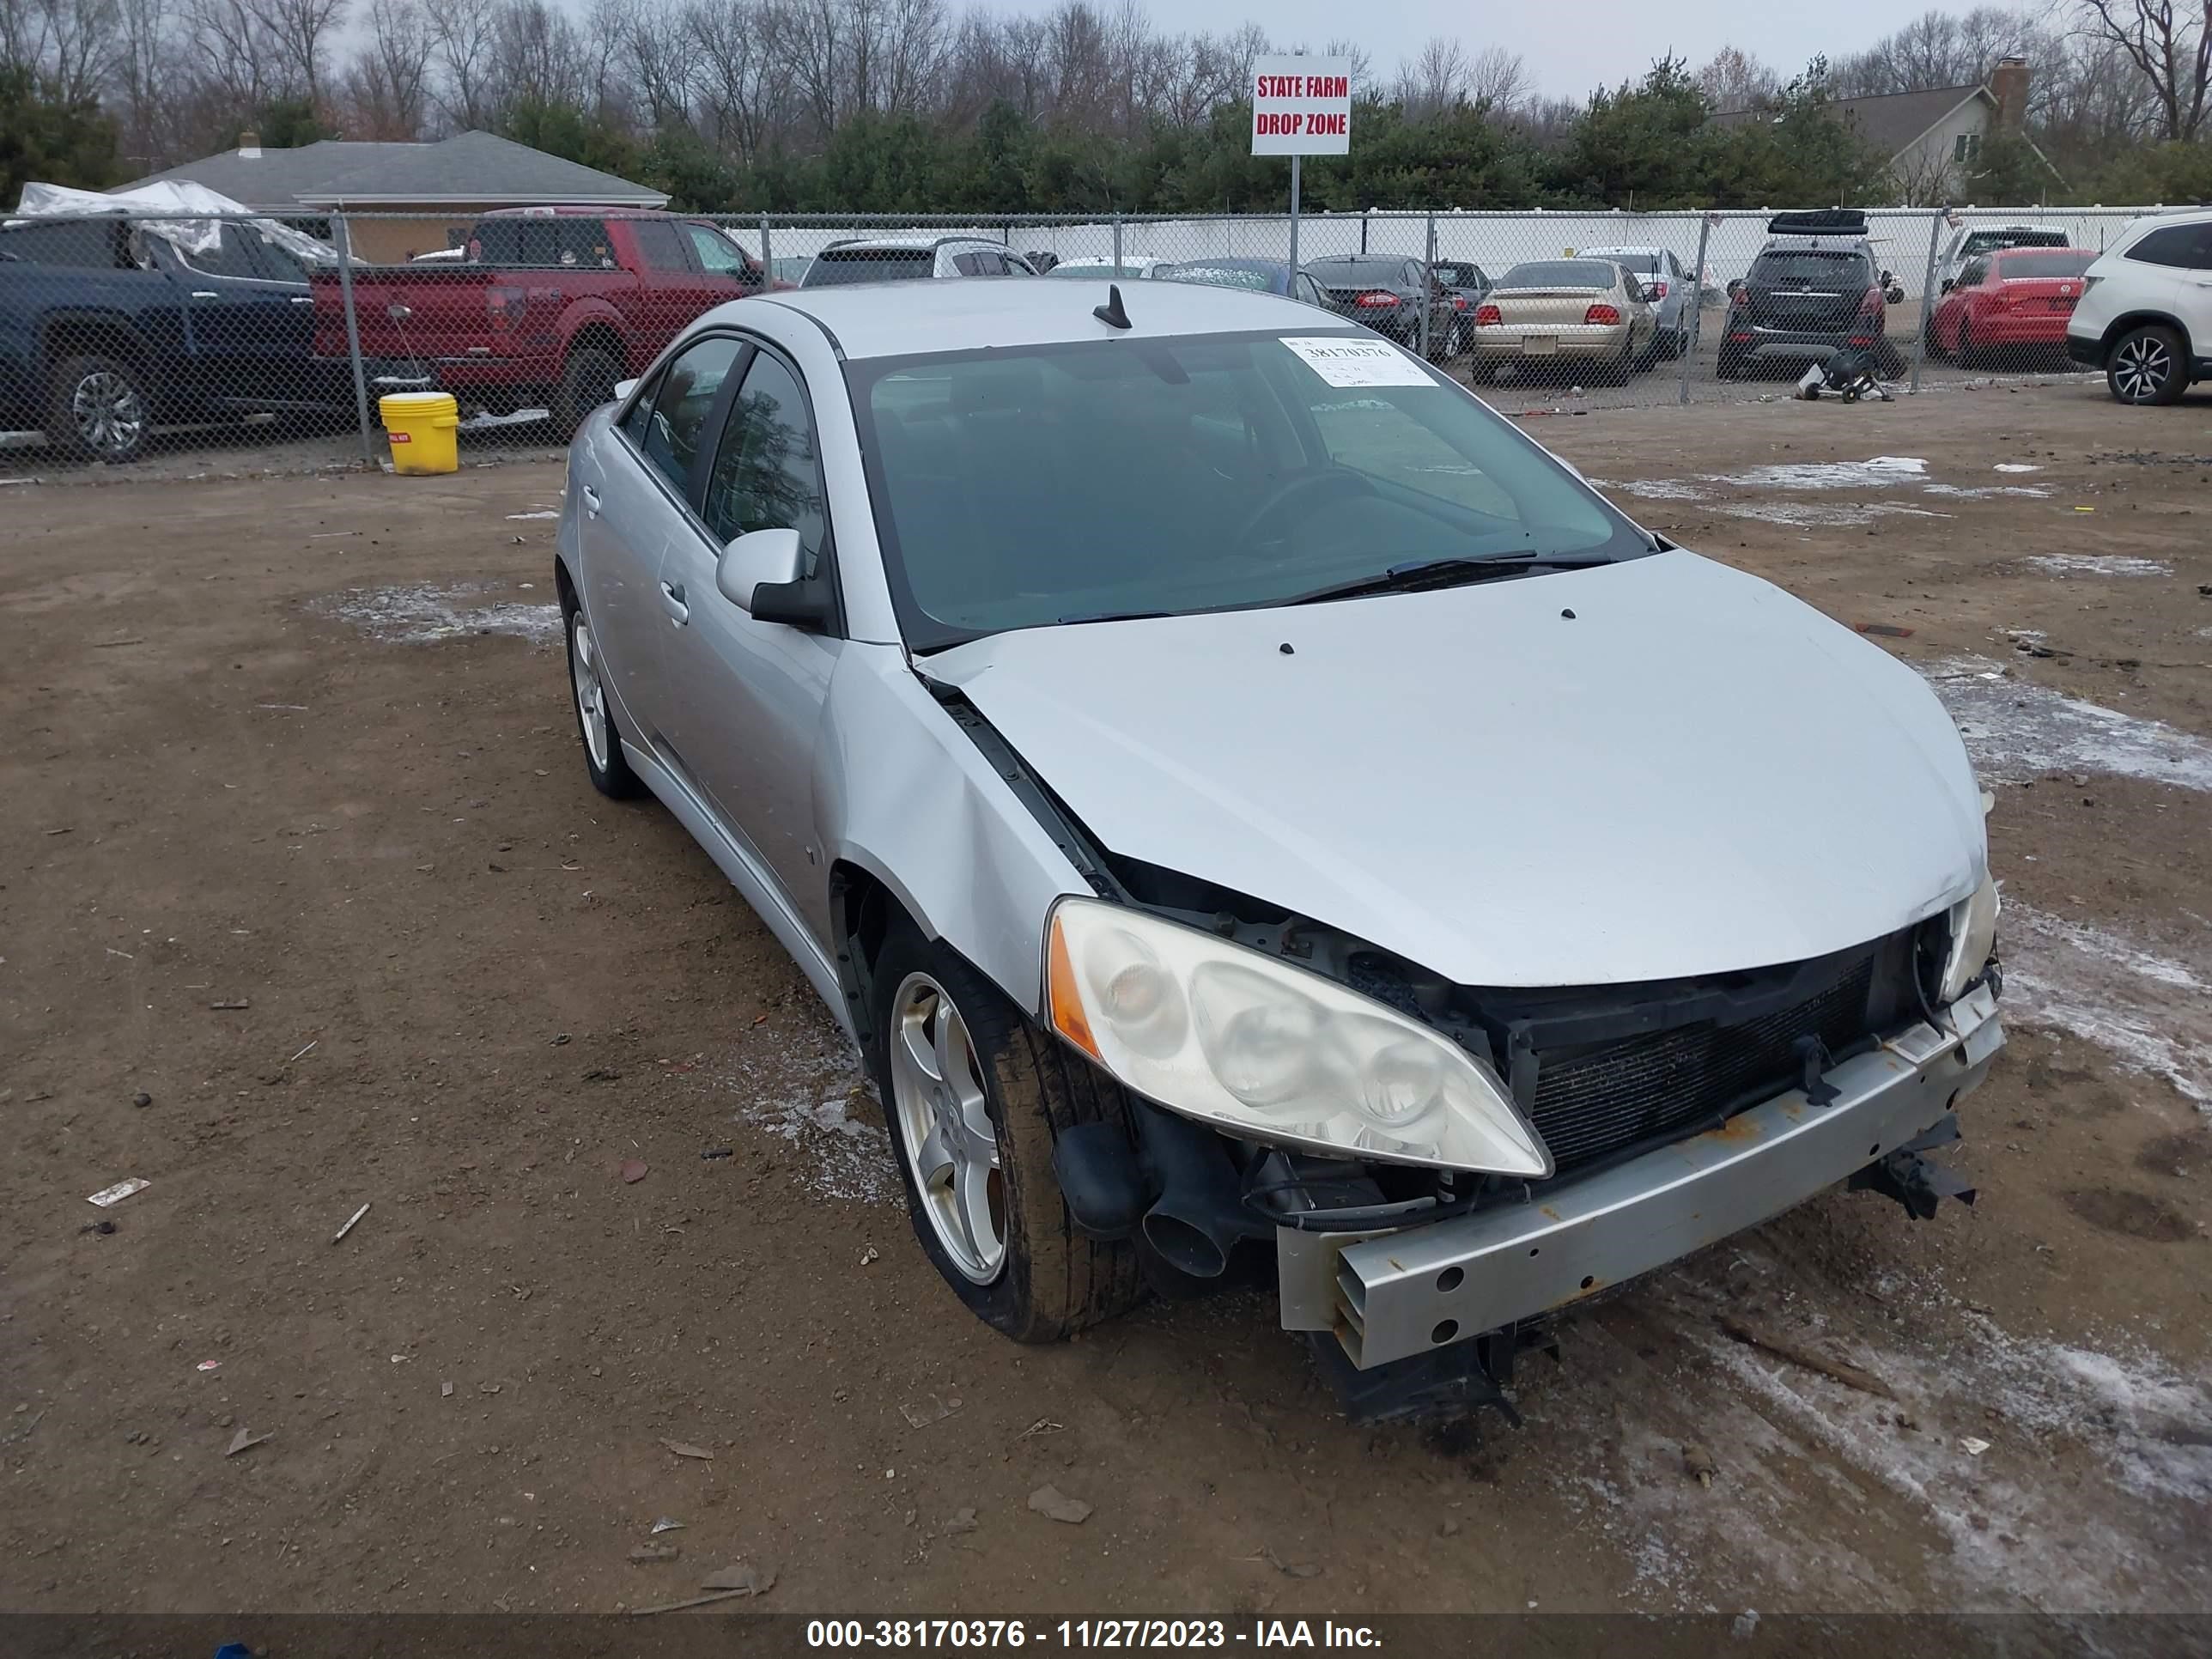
<point x="1570" y="46"/>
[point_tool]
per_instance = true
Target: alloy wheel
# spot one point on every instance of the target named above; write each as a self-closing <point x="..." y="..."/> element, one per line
<point x="946" y="1131"/>
<point x="2141" y="368"/>
<point x="107" y="414"/>
<point x="591" y="695"/>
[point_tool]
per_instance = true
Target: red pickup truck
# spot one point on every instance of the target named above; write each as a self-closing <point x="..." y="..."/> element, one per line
<point x="550" y="308"/>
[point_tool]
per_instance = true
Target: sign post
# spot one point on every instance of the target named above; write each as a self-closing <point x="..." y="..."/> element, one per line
<point x="1301" y="106"/>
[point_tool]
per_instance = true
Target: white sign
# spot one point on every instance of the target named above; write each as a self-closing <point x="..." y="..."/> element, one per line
<point x="1347" y="360"/>
<point x="1301" y="106"/>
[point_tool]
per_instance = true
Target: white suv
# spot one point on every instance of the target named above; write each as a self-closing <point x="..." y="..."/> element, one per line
<point x="2145" y="315"/>
<point x="907" y="259"/>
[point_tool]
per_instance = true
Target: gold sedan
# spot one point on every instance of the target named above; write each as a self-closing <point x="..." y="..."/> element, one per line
<point x="1555" y="319"/>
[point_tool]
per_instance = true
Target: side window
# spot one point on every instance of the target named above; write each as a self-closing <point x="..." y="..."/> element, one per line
<point x="658" y="243"/>
<point x="967" y="264"/>
<point x="1973" y="273"/>
<point x="583" y="243"/>
<point x="680" y="407"/>
<point x="536" y="243"/>
<point x="496" y="242"/>
<point x="279" y="262"/>
<point x="639" y="421"/>
<point x="718" y="255"/>
<point x="766" y="474"/>
<point x="230" y="256"/>
<point x="2164" y="247"/>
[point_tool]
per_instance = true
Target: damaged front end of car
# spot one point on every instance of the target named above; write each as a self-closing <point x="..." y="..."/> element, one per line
<point x="1425" y="1216"/>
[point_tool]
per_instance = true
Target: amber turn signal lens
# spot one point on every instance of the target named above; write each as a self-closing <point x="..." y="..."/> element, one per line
<point x="1066" y="1001"/>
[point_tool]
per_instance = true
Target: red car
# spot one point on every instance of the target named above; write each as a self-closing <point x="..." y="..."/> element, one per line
<point x="2009" y="305"/>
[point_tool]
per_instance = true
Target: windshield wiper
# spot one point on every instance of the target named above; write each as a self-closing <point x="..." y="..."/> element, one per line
<point x="1442" y="573"/>
<point x="1112" y="616"/>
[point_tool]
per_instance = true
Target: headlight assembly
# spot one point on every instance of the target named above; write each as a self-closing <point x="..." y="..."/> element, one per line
<point x="1973" y="937"/>
<point x="1265" y="1050"/>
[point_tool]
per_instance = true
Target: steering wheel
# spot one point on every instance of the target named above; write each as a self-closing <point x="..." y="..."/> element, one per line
<point x="1335" y="480"/>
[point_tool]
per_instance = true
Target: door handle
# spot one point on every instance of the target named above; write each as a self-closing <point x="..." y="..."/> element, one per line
<point x="591" y="501"/>
<point x="205" y="293"/>
<point x="671" y="601"/>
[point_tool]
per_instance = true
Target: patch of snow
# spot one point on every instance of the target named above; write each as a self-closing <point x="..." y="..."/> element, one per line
<point x="1809" y="514"/>
<point x="2014" y="728"/>
<point x="424" y="614"/>
<point x="1984" y="492"/>
<point x="1831" y="475"/>
<point x="2150" y="1012"/>
<point x="1657" y="489"/>
<point x="555" y="515"/>
<point x="2098" y="564"/>
<point x="805" y="1087"/>
<point x="490" y="422"/>
<point x="2014" y="466"/>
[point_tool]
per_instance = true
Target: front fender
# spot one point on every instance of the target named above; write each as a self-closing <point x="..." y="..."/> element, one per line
<point x="902" y="792"/>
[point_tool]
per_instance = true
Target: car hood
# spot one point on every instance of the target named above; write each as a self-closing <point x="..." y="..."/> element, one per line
<point x="1643" y="771"/>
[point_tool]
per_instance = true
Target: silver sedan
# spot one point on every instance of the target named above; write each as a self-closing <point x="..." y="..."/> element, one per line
<point x="1244" y="799"/>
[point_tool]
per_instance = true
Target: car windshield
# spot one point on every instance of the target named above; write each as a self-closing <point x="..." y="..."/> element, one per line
<point x="2015" y="266"/>
<point x="1355" y="273"/>
<point x="1560" y="273"/>
<point x="869" y="265"/>
<point x="1810" y="268"/>
<point x="1219" y="275"/>
<point x="1459" y="276"/>
<point x="1134" y="477"/>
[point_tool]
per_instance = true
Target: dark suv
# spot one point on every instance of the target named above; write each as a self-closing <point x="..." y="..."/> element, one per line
<point x="1815" y="289"/>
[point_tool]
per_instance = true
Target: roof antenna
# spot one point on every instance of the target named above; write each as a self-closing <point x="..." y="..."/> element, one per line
<point x="1111" y="313"/>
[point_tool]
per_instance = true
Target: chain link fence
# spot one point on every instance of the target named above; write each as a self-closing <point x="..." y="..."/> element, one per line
<point x="247" y="343"/>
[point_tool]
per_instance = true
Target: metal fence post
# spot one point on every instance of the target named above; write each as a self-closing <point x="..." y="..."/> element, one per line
<point x="352" y="334"/>
<point x="1696" y="300"/>
<point x="1428" y="284"/>
<point x="767" y="264"/>
<point x="1294" y="213"/>
<point x="1927" y="293"/>
<point x="1117" y="242"/>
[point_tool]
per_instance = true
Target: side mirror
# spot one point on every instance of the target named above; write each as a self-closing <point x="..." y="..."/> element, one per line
<point x="1945" y="286"/>
<point x="1894" y="295"/>
<point x="758" y="559"/>
<point x="623" y="388"/>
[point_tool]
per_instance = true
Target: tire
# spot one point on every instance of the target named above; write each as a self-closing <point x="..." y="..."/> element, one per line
<point x="1020" y="1266"/>
<point x="588" y="379"/>
<point x="1965" y="351"/>
<point x="97" y="410"/>
<point x="1728" y="366"/>
<point x="604" y="763"/>
<point x="2148" y="366"/>
<point x="1930" y="346"/>
<point x="1623" y="368"/>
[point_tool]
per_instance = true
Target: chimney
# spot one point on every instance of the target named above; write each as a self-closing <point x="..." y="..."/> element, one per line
<point x="2009" y="86"/>
<point x="249" y="146"/>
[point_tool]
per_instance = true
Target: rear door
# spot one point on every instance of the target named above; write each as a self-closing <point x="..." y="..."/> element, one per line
<point x="2193" y="290"/>
<point x="251" y="345"/>
<point x="636" y="478"/>
<point x="747" y="696"/>
<point x="1808" y="291"/>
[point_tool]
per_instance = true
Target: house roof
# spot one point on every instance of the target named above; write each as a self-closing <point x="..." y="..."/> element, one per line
<point x="1892" y="121"/>
<point x="1889" y="121"/>
<point x="470" y="169"/>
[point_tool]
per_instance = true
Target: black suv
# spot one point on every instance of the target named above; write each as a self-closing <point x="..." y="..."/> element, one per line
<point x="1815" y="289"/>
<point x="1386" y="291"/>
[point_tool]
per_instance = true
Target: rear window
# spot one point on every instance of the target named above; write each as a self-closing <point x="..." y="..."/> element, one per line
<point x="516" y="242"/>
<point x="1459" y="276"/>
<point x="1560" y="273"/>
<point x="1347" y="273"/>
<point x="1637" y="262"/>
<point x="1811" y="268"/>
<point x="869" y="265"/>
<point x="1988" y="242"/>
<point x="1259" y="282"/>
<point x="2015" y="266"/>
<point x="91" y="242"/>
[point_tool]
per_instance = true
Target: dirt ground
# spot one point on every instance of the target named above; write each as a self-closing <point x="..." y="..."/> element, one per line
<point x="307" y="905"/>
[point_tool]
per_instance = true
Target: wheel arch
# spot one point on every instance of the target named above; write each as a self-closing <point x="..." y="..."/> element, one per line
<point x="2128" y="322"/>
<point x="598" y="328"/>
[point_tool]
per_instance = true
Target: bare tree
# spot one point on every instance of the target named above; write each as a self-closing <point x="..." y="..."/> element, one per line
<point x="300" y="31"/>
<point x="389" y="81"/>
<point x="1435" y="79"/>
<point x="2171" y="48"/>
<point x="467" y="39"/>
<point x="1732" y="79"/>
<point x="1498" y="79"/>
<point x="64" y="44"/>
<point x="657" y="57"/>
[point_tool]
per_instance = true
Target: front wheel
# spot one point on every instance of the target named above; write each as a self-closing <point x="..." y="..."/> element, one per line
<point x="974" y="1097"/>
<point x="603" y="760"/>
<point x="2146" y="366"/>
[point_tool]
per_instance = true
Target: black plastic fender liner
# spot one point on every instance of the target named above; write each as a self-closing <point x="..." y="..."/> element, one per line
<point x="1105" y="1190"/>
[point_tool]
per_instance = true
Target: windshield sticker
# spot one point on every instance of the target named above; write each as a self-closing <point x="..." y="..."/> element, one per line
<point x="1342" y="362"/>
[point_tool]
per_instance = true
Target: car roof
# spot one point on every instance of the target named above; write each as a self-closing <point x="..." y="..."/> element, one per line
<point x="1599" y="252"/>
<point x="896" y="319"/>
<point x="578" y="209"/>
<point x="911" y="244"/>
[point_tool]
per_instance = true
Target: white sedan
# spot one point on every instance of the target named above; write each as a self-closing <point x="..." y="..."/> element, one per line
<point x="1249" y="801"/>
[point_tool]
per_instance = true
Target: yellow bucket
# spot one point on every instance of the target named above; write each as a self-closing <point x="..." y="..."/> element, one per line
<point x="422" y="427"/>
